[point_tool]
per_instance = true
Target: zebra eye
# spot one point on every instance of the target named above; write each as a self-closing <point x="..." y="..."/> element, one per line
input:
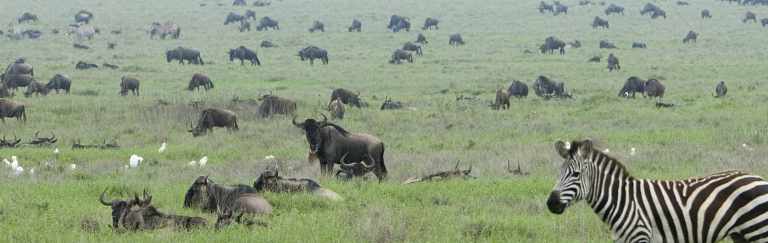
<point x="576" y="174"/>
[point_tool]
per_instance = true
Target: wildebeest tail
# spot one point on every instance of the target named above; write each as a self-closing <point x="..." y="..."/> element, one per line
<point x="234" y="124"/>
<point x="200" y="58"/>
<point x="23" y="114"/>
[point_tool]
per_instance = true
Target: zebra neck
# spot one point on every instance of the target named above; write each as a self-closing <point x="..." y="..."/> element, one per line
<point x="612" y="189"/>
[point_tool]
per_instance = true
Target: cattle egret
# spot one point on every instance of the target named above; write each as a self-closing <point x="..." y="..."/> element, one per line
<point x="632" y="152"/>
<point x="203" y="161"/>
<point x="72" y="166"/>
<point x="14" y="162"/>
<point x="134" y="161"/>
<point x="18" y="171"/>
<point x="32" y="171"/>
<point x="162" y="148"/>
<point x="56" y="151"/>
<point x="268" y="157"/>
<point x="192" y="163"/>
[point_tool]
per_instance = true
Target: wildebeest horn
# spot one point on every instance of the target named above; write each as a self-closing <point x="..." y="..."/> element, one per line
<point x="457" y="165"/>
<point x="103" y="198"/>
<point x="325" y="119"/>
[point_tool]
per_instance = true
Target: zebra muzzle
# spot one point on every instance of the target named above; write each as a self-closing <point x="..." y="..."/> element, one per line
<point x="554" y="204"/>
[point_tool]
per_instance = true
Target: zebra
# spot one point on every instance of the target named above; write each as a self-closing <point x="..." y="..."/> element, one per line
<point x="701" y="209"/>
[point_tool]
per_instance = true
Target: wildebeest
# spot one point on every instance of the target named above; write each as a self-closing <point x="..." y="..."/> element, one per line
<point x="599" y="22"/>
<point x="560" y="8"/>
<point x="192" y="56"/>
<point x="17" y="80"/>
<point x="27" y="17"/>
<point x="336" y="107"/>
<point x="271" y="181"/>
<point x="120" y="208"/>
<point x="312" y="53"/>
<point x="399" y="55"/>
<point x="410" y="46"/>
<point x="266" y="23"/>
<point x="200" y="80"/>
<point x="317" y="26"/>
<point x="551" y="44"/>
<point x="614" y="9"/>
<point x="164" y="30"/>
<point x="214" y="117"/>
<point x="267" y="44"/>
<point x="80" y="46"/>
<point x="129" y="83"/>
<point x="631" y="86"/>
<point x="81" y="65"/>
<point x="4" y="91"/>
<point x="764" y="22"/>
<point x="721" y="90"/>
<point x="638" y="45"/>
<point x="594" y="59"/>
<point x="613" y="63"/>
<point x="59" y="82"/>
<point x="653" y="10"/>
<point x="150" y="218"/>
<point x="19" y="67"/>
<point x="390" y="104"/>
<point x="749" y="16"/>
<point x="210" y="197"/>
<point x="273" y="105"/>
<point x="244" y="26"/>
<point x="691" y="37"/>
<point x="546" y="88"/>
<point x="543" y="6"/>
<point x="11" y="109"/>
<point x="502" y="100"/>
<point x="262" y="3"/>
<point x="429" y="23"/>
<point x="244" y="53"/>
<point x="36" y="88"/>
<point x="330" y="143"/>
<point x="233" y="18"/>
<point x="250" y="14"/>
<point x="397" y="23"/>
<point x="705" y="14"/>
<point x="110" y="66"/>
<point x="654" y="88"/>
<point x="356" y="26"/>
<point x="518" y="89"/>
<point x="239" y="3"/>
<point x="455" y="40"/>
<point x="347" y="97"/>
<point x="83" y="16"/>
<point x="421" y="39"/>
<point x="604" y="44"/>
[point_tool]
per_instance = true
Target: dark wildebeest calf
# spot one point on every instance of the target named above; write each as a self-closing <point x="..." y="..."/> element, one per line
<point x="356" y="26"/>
<point x="429" y="23"/>
<point x="200" y="80"/>
<point x="9" y="108"/>
<point x="273" y="105"/>
<point x="517" y="89"/>
<point x="129" y="83"/>
<point x="631" y="86"/>
<point x="317" y="26"/>
<point x="214" y="117"/>
<point x="455" y="40"/>
<point x="691" y="37"/>
<point x="244" y="53"/>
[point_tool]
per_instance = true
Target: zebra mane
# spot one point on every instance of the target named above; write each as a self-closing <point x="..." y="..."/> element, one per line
<point x="597" y="155"/>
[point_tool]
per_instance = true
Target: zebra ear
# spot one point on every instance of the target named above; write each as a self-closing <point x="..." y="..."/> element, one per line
<point x="585" y="146"/>
<point x="563" y="149"/>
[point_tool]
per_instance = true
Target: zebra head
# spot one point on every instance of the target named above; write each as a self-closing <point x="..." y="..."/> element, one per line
<point x="571" y="185"/>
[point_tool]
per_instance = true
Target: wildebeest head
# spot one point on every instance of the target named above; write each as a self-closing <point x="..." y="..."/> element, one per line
<point x="121" y="207"/>
<point x="312" y="128"/>
<point x="197" y="195"/>
<point x="267" y="178"/>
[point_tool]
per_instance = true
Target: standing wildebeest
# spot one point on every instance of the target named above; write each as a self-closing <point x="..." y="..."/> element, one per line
<point x="502" y="100"/>
<point x="266" y="23"/>
<point x="192" y="56"/>
<point x="164" y="30"/>
<point x="409" y="46"/>
<point x="518" y="89"/>
<point x="9" y="108"/>
<point x="81" y="65"/>
<point x="271" y="181"/>
<point x="129" y="83"/>
<point x="83" y="16"/>
<point x="543" y="6"/>
<point x="599" y="22"/>
<point x="764" y="22"/>
<point x="638" y="45"/>
<point x="400" y="55"/>
<point x="267" y="44"/>
<point x="59" y="82"/>
<point x="331" y="144"/>
<point x="614" y="9"/>
<point x="749" y="16"/>
<point x="233" y="18"/>
<point x="544" y="87"/>
<point x="36" y="88"/>
<point x="211" y="197"/>
<point x="250" y="14"/>
<point x="631" y="86"/>
<point x="705" y="14"/>
<point x="455" y="40"/>
<point x="551" y="44"/>
<point x="317" y="26"/>
<point x="336" y="107"/>
<point x="654" y="10"/>
<point x="214" y="117"/>
<point x="604" y="44"/>
<point x="149" y="218"/>
<point x="239" y="3"/>
<point x="429" y="23"/>
<point x="244" y="53"/>
<point x="397" y="22"/>
<point x="312" y="53"/>
<point x="560" y="8"/>
<point x="691" y="37"/>
<point x="27" y="17"/>
<point x="654" y="88"/>
<point x="421" y="39"/>
<point x="721" y="90"/>
<point x="274" y="105"/>
<point x="356" y="26"/>
<point x="347" y="97"/>
<point x="613" y="63"/>
<point x="200" y="80"/>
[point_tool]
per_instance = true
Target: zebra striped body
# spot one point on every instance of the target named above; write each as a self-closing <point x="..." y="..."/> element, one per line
<point x="705" y="209"/>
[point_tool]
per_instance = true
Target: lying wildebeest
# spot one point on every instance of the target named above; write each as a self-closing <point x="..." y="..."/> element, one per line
<point x="137" y="214"/>
<point x="83" y="16"/>
<point x="211" y="197"/>
<point x="164" y="30"/>
<point x="575" y="44"/>
<point x="691" y="37"/>
<point x="445" y="175"/>
<point x="654" y="88"/>
<point x="267" y="44"/>
<point x="749" y="16"/>
<point x="273" y="105"/>
<point x="233" y="18"/>
<point x="594" y="59"/>
<point x="560" y="8"/>
<point x="239" y="3"/>
<point x="81" y="46"/>
<point x="421" y="39"/>
<point x="429" y="23"/>
<point x="518" y="89"/>
<point x="389" y="104"/>
<point x="129" y="83"/>
<point x="399" y="55"/>
<point x="9" y="108"/>
<point x="266" y="23"/>
<point x="543" y="6"/>
<point x="244" y="53"/>
<point x="12" y="143"/>
<point x="551" y="44"/>
<point x="631" y="86"/>
<point x="81" y="65"/>
<point x="764" y="22"/>
<point x="410" y="46"/>
<point x="600" y="23"/>
<point x="721" y="90"/>
<point x="705" y="14"/>
<point x="59" y="82"/>
<point x="336" y="107"/>
<point x="110" y="66"/>
<point x="317" y="26"/>
<point x="261" y="3"/>
<point x="604" y="44"/>
<point x="638" y="45"/>
<point x="200" y="80"/>
<point x="36" y="88"/>
<point x="455" y="40"/>
<point x="502" y="100"/>
<point x="347" y="97"/>
<point x="330" y="143"/>
<point x="192" y="56"/>
<point x="544" y="87"/>
<point x="250" y="14"/>
<point x="214" y="117"/>
<point x="614" y="9"/>
<point x="613" y="63"/>
<point x="121" y="207"/>
<point x="244" y="26"/>
<point x="271" y="181"/>
<point x="31" y="34"/>
<point x="4" y="91"/>
<point x="356" y="26"/>
<point x="312" y="53"/>
<point x="27" y="17"/>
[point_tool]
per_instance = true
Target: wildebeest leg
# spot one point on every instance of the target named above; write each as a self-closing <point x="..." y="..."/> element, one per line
<point x="326" y="168"/>
<point x="381" y="170"/>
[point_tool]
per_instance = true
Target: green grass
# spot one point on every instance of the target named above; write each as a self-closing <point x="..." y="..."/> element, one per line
<point x="700" y="136"/>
